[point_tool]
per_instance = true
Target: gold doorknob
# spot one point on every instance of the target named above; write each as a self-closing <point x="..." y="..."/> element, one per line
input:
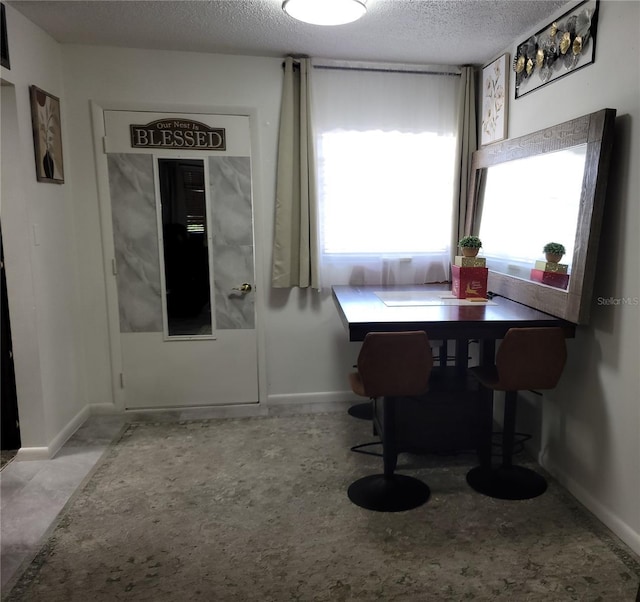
<point x="244" y="289"/>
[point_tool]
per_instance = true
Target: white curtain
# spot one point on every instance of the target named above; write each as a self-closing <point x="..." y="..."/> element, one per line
<point x="467" y="144"/>
<point x="386" y="157"/>
<point x="294" y="260"/>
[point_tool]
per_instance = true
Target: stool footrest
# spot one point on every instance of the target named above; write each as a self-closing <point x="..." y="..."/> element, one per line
<point x="358" y="448"/>
<point x="519" y="439"/>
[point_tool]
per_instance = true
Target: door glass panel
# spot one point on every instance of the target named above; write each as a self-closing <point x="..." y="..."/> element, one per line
<point x="185" y="247"/>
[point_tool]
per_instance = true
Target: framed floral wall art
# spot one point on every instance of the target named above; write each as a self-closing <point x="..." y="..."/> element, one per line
<point x="47" y="136"/>
<point x="494" y="100"/>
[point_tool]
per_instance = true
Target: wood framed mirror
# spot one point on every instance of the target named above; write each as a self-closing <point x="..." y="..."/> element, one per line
<point x="548" y="186"/>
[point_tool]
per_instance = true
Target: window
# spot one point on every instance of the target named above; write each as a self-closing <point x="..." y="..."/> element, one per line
<point x="396" y="207"/>
<point x="186" y="253"/>
<point x="385" y="149"/>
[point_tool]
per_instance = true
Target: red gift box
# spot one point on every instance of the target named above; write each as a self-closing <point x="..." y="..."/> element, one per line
<point x="550" y="278"/>
<point x="469" y="282"/>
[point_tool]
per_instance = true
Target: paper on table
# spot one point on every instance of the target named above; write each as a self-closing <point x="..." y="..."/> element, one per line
<point x="417" y="298"/>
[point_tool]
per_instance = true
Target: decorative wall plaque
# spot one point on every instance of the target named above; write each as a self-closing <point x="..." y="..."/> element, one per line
<point x="562" y="47"/>
<point x="178" y="134"/>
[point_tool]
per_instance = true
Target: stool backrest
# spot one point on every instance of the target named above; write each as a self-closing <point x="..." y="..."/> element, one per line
<point x="395" y="363"/>
<point x="531" y="358"/>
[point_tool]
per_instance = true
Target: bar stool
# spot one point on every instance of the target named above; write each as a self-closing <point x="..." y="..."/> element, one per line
<point x="364" y="411"/>
<point x="527" y="358"/>
<point x="392" y="365"/>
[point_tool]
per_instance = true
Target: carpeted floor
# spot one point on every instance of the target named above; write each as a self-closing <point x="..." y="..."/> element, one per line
<point x="6" y="456"/>
<point x="256" y="509"/>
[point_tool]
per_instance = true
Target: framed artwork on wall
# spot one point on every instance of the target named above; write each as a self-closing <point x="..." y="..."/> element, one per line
<point x="47" y="136"/>
<point x="494" y="100"/>
<point x="562" y="47"/>
<point x="4" y="42"/>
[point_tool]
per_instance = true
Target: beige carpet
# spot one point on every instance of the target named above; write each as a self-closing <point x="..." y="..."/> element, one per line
<point x="256" y="510"/>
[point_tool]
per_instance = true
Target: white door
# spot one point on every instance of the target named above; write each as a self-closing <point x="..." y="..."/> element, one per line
<point x="183" y="241"/>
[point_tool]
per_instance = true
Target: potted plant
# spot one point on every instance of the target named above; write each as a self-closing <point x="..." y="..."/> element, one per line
<point x="553" y="252"/>
<point x="470" y="245"/>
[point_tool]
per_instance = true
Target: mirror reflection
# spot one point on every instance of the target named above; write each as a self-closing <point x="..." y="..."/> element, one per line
<point x="185" y="247"/>
<point x="527" y="203"/>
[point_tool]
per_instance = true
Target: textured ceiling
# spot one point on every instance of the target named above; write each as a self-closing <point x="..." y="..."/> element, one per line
<point x="451" y="32"/>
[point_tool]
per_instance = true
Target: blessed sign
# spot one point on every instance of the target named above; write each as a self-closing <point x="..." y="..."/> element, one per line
<point x="177" y="133"/>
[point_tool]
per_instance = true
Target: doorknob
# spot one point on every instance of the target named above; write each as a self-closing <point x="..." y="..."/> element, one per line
<point x="244" y="289"/>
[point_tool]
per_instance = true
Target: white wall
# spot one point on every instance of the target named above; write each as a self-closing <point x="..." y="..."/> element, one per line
<point x="307" y="354"/>
<point x="591" y="422"/>
<point x="40" y="253"/>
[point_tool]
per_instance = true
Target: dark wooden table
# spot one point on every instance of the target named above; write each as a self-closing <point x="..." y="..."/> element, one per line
<point x="449" y="417"/>
<point x="362" y="311"/>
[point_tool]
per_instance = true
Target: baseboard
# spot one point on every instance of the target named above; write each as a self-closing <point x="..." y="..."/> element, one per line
<point x="325" y="397"/>
<point x="604" y="514"/>
<point x="275" y="404"/>
<point x="46" y="453"/>
<point x="196" y="413"/>
<point x="26" y="454"/>
<point x="103" y="409"/>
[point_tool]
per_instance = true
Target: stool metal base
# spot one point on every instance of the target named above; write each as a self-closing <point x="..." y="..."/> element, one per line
<point x="364" y="411"/>
<point x="507" y="483"/>
<point x="396" y="493"/>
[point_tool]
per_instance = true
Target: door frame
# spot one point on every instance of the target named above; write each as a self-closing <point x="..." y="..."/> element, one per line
<point x="9" y="416"/>
<point x="106" y="226"/>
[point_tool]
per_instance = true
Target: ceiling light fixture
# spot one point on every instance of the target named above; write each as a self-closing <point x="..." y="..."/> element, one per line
<point x="325" y="12"/>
